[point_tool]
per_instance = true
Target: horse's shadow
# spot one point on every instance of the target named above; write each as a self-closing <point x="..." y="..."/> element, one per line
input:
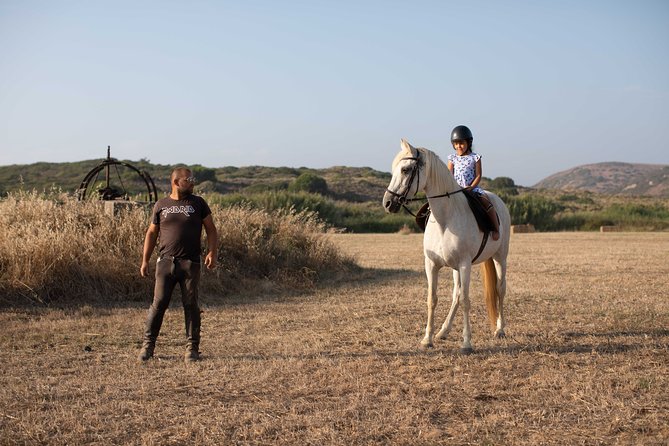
<point x="610" y="343"/>
<point x="614" y="334"/>
<point x="448" y="349"/>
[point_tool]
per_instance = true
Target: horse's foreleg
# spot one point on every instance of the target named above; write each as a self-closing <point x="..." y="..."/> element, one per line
<point x="432" y="272"/>
<point x="448" y="323"/>
<point x="500" y="270"/>
<point x="465" y="274"/>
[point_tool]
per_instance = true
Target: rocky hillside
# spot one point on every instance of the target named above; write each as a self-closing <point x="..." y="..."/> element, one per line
<point x="612" y="178"/>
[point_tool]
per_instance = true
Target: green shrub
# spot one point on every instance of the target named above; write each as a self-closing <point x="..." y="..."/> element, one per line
<point x="502" y="186"/>
<point x="574" y="198"/>
<point x="634" y="212"/>
<point x="637" y="216"/>
<point x="630" y="217"/>
<point x="203" y="174"/>
<point x="204" y="187"/>
<point x="568" y="197"/>
<point x="569" y="222"/>
<point x="309" y="182"/>
<point x="325" y="208"/>
<point x="532" y="209"/>
<point x="259" y="188"/>
<point x="354" y="217"/>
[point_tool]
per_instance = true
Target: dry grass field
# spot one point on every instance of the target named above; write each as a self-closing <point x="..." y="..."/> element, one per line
<point x="585" y="362"/>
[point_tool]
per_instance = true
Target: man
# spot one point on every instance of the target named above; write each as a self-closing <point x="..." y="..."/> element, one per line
<point x="178" y="219"/>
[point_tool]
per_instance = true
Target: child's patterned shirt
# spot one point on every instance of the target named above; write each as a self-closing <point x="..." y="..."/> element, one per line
<point x="464" y="169"/>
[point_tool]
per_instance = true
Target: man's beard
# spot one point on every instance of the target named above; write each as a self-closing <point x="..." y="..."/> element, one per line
<point x="185" y="191"/>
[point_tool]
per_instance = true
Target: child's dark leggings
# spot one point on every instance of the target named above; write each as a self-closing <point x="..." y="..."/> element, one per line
<point x="169" y="272"/>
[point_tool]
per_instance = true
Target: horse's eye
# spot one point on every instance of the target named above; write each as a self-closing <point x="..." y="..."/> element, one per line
<point x="406" y="169"/>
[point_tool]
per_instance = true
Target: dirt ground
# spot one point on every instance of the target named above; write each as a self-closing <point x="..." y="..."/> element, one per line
<point x="585" y="361"/>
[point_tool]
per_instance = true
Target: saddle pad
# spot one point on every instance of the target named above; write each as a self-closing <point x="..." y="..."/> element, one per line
<point x="481" y="215"/>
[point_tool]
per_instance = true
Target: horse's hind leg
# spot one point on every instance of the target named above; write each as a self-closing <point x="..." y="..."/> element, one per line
<point x="432" y="272"/>
<point x="448" y="323"/>
<point x="500" y="270"/>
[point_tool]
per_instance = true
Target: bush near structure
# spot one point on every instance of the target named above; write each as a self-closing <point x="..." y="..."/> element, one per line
<point x="56" y="249"/>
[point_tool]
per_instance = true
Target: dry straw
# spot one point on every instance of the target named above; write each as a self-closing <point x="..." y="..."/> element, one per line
<point x="54" y="248"/>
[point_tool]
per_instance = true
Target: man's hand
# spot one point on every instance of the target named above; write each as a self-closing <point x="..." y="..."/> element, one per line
<point x="144" y="269"/>
<point x="210" y="260"/>
<point x="149" y="245"/>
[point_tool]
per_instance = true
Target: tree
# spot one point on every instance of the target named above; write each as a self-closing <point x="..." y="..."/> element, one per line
<point x="503" y="185"/>
<point x="203" y="173"/>
<point x="309" y="182"/>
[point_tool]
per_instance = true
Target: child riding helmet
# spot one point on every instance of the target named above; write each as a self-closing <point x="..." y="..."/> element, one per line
<point x="462" y="132"/>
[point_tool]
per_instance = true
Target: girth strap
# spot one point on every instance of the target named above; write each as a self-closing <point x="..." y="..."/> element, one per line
<point x="483" y="242"/>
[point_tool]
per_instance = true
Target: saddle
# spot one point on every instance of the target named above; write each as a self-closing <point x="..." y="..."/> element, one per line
<point x="480" y="213"/>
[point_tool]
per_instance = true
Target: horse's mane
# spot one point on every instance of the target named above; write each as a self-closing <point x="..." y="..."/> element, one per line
<point x="437" y="171"/>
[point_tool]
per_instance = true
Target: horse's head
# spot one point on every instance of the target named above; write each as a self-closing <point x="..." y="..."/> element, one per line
<point x="407" y="179"/>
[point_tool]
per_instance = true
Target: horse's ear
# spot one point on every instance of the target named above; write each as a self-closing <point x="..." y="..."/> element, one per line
<point x="408" y="147"/>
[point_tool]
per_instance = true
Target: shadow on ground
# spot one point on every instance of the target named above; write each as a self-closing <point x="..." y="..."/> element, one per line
<point x="450" y="350"/>
<point x="263" y="291"/>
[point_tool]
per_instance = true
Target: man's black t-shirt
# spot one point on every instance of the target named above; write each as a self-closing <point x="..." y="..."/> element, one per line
<point x="180" y="223"/>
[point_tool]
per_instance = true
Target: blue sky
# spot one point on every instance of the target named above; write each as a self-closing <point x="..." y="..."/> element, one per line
<point x="544" y="85"/>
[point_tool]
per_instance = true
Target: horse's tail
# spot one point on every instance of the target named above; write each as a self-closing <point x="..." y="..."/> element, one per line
<point x="490" y="291"/>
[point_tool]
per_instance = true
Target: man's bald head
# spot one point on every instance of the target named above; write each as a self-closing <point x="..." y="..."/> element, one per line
<point x="180" y="172"/>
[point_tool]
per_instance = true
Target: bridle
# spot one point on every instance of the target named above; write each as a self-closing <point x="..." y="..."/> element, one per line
<point x="415" y="174"/>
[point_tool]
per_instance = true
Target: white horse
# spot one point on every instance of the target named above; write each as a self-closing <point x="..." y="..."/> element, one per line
<point x="452" y="238"/>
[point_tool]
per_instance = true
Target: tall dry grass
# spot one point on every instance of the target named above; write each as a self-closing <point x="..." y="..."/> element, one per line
<point x="277" y="249"/>
<point x="54" y="248"/>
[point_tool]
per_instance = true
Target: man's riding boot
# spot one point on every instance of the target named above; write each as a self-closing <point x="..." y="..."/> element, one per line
<point x="193" y="322"/>
<point x="192" y="353"/>
<point x="151" y="329"/>
<point x="146" y="352"/>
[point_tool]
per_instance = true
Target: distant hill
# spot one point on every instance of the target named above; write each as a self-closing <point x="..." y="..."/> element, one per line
<point x="612" y="178"/>
<point x="356" y="184"/>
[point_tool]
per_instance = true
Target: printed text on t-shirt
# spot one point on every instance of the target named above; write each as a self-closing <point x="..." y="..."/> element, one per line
<point x="186" y="210"/>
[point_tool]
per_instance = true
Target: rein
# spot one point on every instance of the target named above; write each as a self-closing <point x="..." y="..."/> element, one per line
<point x="415" y="173"/>
<point x="448" y="194"/>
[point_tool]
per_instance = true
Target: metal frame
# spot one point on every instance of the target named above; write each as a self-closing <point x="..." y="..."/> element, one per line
<point x="107" y="192"/>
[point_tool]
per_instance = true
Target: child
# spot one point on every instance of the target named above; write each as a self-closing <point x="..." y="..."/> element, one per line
<point x="466" y="168"/>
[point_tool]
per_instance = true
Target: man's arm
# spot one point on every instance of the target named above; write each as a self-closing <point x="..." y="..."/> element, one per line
<point x="212" y="242"/>
<point x="149" y="245"/>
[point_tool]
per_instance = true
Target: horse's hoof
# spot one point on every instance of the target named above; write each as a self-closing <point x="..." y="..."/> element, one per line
<point x="499" y="334"/>
<point x="467" y="350"/>
<point x="441" y="336"/>
<point x="426" y="346"/>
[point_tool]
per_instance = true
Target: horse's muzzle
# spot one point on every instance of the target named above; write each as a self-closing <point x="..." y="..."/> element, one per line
<point x="391" y="203"/>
